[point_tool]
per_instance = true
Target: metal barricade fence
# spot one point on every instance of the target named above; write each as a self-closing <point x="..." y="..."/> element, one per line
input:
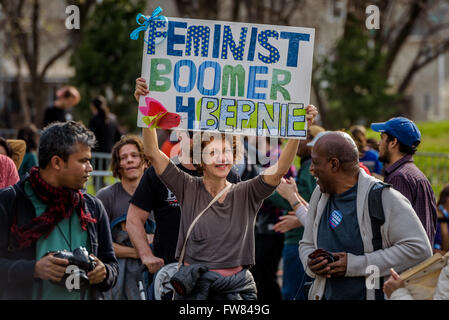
<point x="436" y="168"/>
<point x="101" y="175"/>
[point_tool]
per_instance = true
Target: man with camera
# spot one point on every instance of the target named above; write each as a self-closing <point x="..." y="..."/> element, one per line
<point x="344" y="247"/>
<point x="48" y="225"/>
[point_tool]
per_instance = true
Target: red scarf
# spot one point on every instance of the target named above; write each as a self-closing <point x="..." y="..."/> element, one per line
<point x="61" y="202"/>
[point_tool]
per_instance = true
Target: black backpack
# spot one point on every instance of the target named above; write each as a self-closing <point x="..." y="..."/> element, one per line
<point x="377" y="216"/>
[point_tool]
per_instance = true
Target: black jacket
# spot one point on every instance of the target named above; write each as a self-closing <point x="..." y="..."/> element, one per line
<point x="195" y="282"/>
<point x="17" y="265"/>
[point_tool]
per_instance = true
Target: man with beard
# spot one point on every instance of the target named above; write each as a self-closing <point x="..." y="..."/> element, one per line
<point x="400" y="138"/>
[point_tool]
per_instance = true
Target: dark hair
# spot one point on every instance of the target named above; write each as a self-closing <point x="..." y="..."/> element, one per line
<point x="115" y="160"/>
<point x="402" y="147"/>
<point x="7" y="147"/>
<point x="359" y="138"/>
<point x="60" y="139"/>
<point x="30" y="134"/>
<point x="99" y="103"/>
<point x="444" y="195"/>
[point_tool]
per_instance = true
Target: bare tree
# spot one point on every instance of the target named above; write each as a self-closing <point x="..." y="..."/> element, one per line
<point x="254" y="11"/>
<point x="25" y="33"/>
<point x="399" y="21"/>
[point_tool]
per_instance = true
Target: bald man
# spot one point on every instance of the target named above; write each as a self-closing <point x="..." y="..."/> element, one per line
<point x="338" y="221"/>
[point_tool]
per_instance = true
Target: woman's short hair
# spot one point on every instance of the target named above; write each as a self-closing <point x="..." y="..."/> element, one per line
<point x="115" y="158"/>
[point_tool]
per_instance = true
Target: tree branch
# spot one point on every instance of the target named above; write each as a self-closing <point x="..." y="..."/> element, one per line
<point x="35" y="38"/>
<point x="14" y="16"/>
<point x="54" y="58"/>
<point x="421" y="60"/>
<point x="415" y="11"/>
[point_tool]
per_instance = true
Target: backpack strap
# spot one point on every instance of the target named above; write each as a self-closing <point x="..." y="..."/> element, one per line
<point x="218" y="196"/>
<point x="377" y="217"/>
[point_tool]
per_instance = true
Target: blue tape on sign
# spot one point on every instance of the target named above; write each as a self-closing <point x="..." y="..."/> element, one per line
<point x="156" y="15"/>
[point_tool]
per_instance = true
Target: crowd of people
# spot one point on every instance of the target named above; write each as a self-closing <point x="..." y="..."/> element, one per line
<point x="227" y="228"/>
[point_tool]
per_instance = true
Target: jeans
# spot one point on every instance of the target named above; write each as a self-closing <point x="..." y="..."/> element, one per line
<point x="294" y="277"/>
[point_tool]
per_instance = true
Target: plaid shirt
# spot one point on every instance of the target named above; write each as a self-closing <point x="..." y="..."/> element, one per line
<point x="405" y="177"/>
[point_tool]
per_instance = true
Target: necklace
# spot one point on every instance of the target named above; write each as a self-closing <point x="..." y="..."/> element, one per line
<point x="69" y="240"/>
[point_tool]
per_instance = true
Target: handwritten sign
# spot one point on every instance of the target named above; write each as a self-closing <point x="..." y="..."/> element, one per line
<point x="230" y="77"/>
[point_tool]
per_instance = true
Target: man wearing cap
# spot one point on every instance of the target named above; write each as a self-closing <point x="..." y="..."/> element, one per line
<point x="400" y="138"/>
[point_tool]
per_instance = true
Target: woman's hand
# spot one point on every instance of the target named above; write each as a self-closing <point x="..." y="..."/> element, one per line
<point x="141" y="88"/>
<point x="311" y="114"/>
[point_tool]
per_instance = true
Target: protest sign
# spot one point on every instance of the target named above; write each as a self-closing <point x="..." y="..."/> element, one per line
<point x="229" y="77"/>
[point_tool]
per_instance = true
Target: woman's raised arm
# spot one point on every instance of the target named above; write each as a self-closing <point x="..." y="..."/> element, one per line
<point x="274" y="174"/>
<point x="158" y="159"/>
<point x="151" y="148"/>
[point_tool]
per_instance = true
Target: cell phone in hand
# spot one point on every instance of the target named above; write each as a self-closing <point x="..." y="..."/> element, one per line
<point x="323" y="253"/>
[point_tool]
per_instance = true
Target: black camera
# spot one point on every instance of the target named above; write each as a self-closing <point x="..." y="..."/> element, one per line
<point x="82" y="261"/>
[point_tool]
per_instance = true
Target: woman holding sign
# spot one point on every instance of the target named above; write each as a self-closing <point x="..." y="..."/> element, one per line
<point x="216" y="236"/>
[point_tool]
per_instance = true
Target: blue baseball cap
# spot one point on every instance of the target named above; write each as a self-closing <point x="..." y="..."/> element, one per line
<point x="402" y="129"/>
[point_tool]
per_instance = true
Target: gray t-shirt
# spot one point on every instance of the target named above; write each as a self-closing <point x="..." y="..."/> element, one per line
<point x="115" y="200"/>
<point x="224" y="236"/>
